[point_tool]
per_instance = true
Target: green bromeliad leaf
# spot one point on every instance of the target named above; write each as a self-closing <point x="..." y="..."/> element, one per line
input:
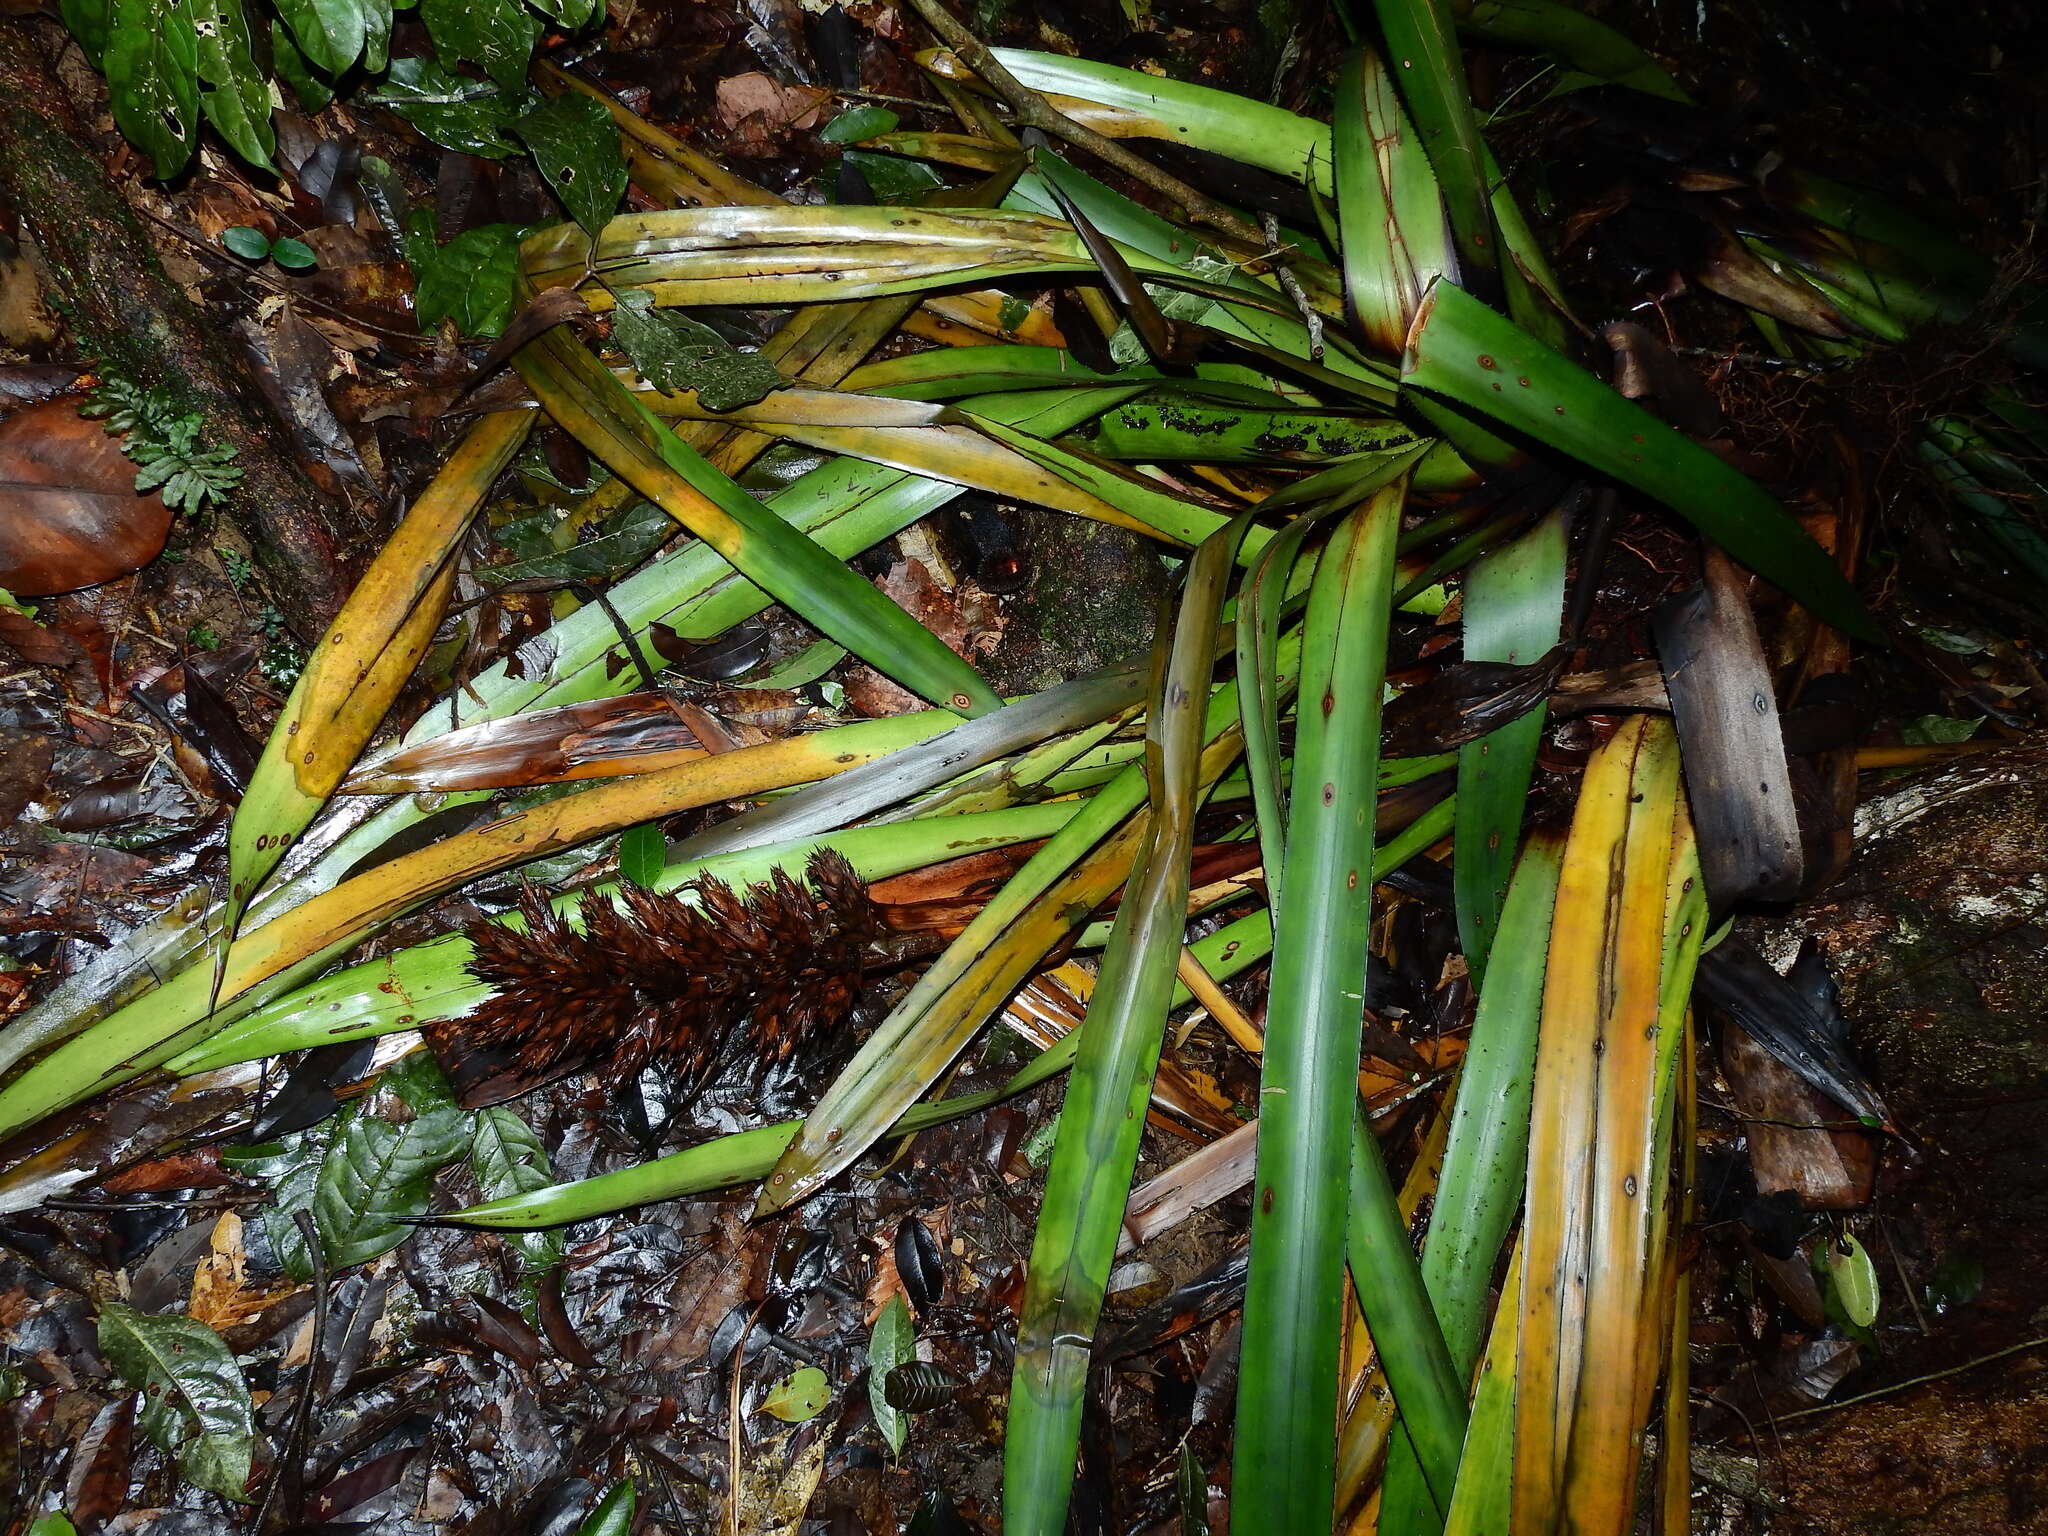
<point x="1461" y="350"/>
<point x="195" y="1404"/>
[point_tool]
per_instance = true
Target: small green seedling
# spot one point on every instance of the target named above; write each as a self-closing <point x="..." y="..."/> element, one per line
<point x="251" y="244"/>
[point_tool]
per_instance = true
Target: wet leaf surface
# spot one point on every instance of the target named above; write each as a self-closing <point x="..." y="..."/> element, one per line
<point x="195" y="1403"/>
<point x="69" y="513"/>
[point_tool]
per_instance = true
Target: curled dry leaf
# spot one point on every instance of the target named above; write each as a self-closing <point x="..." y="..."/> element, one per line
<point x="69" y="515"/>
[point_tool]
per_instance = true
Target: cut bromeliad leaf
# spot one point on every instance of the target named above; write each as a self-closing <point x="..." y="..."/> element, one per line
<point x="70" y="514"/>
<point x="1388" y="205"/>
<point x="1614" y="1004"/>
<point x="1432" y="81"/>
<point x="195" y="1404"/>
<point x="1513" y="600"/>
<point x="1097" y="1147"/>
<point x="364" y="659"/>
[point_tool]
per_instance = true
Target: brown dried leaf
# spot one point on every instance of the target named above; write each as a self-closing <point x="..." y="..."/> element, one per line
<point x="69" y="515"/>
<point x="756" y="110"/>
<point x="222" y="1297"/>
<point x="96" y="1483"/>
<point x="633" y="733"/>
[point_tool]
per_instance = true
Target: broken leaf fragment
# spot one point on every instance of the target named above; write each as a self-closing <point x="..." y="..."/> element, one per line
<point x="1852" y="1278"/>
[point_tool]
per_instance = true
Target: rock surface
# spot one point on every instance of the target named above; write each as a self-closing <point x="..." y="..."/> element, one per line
<point x="1938" y="931"/>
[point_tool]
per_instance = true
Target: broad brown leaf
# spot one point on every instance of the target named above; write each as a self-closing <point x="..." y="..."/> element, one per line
<point x="69" y="515"/>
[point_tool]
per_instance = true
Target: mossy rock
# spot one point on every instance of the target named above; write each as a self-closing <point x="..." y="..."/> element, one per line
<point x="1938" y="930"/>
<point x="1091" y="599"/>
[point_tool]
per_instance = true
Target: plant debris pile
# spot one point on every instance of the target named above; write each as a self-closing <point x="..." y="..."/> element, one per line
<point x="801" y="768"/>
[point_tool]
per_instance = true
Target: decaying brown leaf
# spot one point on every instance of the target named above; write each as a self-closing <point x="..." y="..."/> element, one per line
<point x="69" y="515"/>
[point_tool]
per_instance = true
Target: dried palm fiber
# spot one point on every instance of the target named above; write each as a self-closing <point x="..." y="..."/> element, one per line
<point x="656" y="979"/>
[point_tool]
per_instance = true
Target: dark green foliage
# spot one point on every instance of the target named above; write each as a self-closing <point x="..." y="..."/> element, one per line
<point x="195" y="1403"/>
<point x="164" y="442"/>
<point x="672" y="352"/>
<point x="468" y="280"/>
<point x="171" y="64"/>
<point x="576" y="147"/>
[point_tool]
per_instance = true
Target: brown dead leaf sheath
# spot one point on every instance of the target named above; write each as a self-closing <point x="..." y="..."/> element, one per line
<point x="656" y="980"/>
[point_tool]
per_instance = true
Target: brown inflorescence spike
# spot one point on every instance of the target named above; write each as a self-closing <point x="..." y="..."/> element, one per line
<point x="655" y="979"/>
